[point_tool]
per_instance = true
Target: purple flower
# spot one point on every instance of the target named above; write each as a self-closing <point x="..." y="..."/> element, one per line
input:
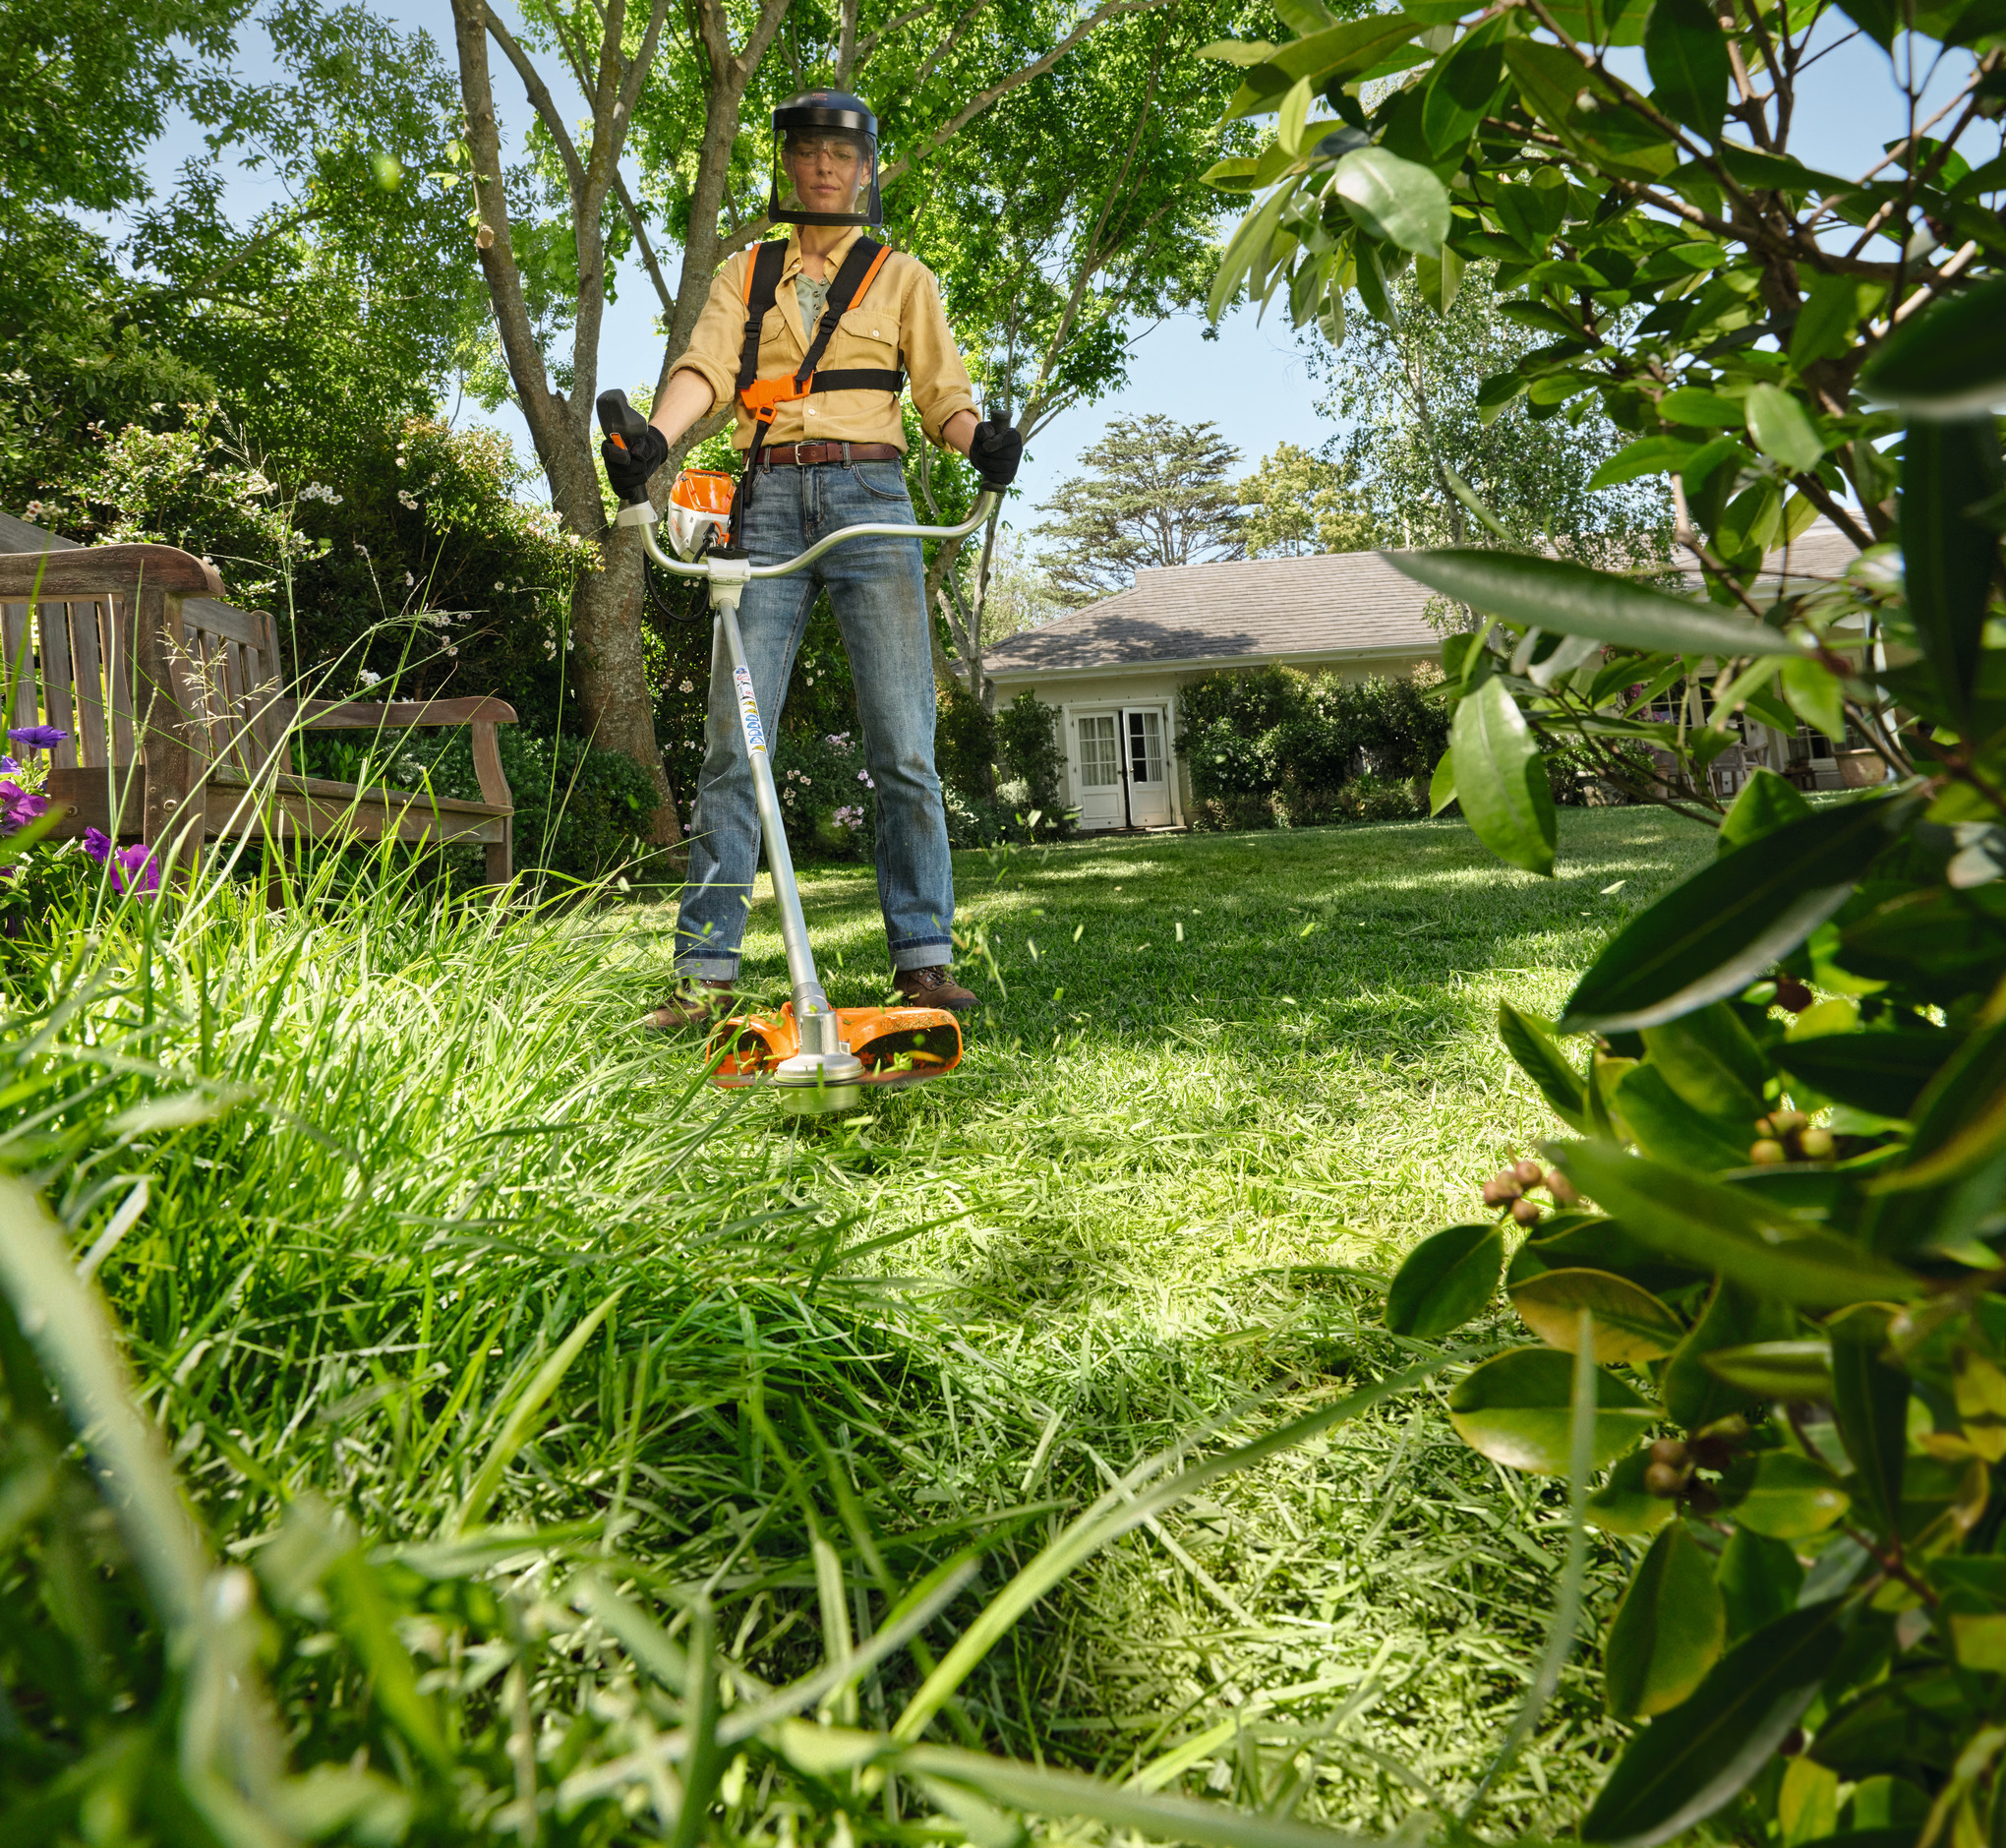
<point x="8" y="765"/>
<point x="19" y="806"/>
<point x="39" y="737"/>
<point x="133" y="868"/>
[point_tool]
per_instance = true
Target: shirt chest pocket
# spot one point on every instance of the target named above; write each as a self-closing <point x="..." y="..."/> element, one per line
<point x="867" y="336"/>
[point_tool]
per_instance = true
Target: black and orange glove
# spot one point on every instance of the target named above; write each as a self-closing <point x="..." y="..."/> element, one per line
<point x="628" y="465"/>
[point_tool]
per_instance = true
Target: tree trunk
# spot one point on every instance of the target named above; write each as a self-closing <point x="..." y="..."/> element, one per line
<point x="613" y="692"/>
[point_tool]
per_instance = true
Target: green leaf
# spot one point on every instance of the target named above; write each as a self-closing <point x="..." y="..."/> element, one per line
<point x="1250" y="241"/>
<point x="1288" y="122"/>
<point x="1461" y="87"/>
<point x="1438" y="279"/>
<point x="1727" y="925"/>
<point x="1516" y="1410"/>
<point x="1328" y="57"/>
<point x="1815" y="695"/>
<point x="1648" y="455"/>
<point x="1705" y="410"/>
<point x="1446" y="1279"/>
<point x="1783" y="429"/>
<point x="1948" y="361"/>
<point x="1765" y="804"/>
<point x="1688" y="1763"/>
<point x="1631" y="1326"/>
<point x="1667" y="1128"/>
<point x="1828" y="320"/>
<point x="1949" y="558"/>
<point x="1880" y="1072"/>
<point x="1235" y="174"/>
<point x="1370" y="280"/>
<point x="1560" y="596"/>
<point x="1501" y="780"/>
<point x="1667" y="1631"/>
<point x="1776" y="1369"/>
<point x="1783" y="1496"/>
<point x="1759" y="1578"/>
<point x="1622" y="1504"/>
<point x="1395" y="200"/>
<point x="1536" y="1055"/>
<point x="1879" y="20"/>
<point x="1710" y="1060"/>
<point x="1686" y="54"/>
<point x="1238" y="50"/>
<point x="1695" y="1394"/>
<point x="1730" y="1229"/>
<point x="1871" y="1406"/>
<point x="1442" y="785"/>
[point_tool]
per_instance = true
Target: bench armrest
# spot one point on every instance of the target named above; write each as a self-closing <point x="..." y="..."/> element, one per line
<point x="395" y="715"/>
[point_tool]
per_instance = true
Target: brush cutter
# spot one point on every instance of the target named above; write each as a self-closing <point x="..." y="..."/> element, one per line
<point x="812" y="1057"/>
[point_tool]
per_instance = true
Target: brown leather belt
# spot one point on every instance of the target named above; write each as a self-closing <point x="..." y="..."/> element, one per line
<point x="810" y="454"/>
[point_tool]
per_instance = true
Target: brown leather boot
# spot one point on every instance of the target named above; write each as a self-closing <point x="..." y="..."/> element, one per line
<point x="698" y="1001"/>
<point x="932" y="987"/>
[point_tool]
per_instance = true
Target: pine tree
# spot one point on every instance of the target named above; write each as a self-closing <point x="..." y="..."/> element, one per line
<point x="1162" y="493"/>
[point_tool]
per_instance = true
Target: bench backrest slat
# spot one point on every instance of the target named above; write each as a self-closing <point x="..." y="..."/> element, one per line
<point x="86" y="654"/>
<point x="52" y="641"/>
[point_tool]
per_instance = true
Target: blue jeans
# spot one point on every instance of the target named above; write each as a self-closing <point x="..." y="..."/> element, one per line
<point x="878" y="589"/>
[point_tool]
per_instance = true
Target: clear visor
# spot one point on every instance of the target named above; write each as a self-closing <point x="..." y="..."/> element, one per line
<point x="823" y="176"/>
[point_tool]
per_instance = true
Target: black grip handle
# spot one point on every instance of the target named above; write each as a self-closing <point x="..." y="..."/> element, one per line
<point x="619" y="419"/>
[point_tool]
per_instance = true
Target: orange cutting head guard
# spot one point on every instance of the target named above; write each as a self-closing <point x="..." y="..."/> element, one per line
<point x="898" y="1045"/>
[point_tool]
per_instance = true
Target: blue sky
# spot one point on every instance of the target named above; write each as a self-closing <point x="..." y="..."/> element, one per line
<point x="1252" y="381"/>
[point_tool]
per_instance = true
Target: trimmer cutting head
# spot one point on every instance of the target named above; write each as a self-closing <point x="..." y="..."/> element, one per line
<point x="885" y="1045"/>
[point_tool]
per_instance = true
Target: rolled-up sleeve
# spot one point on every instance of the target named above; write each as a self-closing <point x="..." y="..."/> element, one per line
<point x="940" y="381"/>
<point x="714" y="348"/>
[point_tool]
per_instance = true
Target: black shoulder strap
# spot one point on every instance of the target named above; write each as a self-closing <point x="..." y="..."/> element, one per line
<point x="762" y="285"/>
<point x="859" y="263"/>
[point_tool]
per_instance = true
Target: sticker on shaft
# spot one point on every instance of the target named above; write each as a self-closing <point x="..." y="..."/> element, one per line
<point x="749" y="711"/>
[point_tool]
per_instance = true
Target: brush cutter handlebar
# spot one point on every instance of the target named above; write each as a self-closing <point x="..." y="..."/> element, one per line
<point x="620" y="420"/>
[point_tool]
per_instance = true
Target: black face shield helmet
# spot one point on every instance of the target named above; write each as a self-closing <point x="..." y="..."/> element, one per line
<point x="841" y="120"/>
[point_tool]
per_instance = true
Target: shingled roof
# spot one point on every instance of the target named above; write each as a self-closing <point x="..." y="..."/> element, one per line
<point x="1254" y="610"/>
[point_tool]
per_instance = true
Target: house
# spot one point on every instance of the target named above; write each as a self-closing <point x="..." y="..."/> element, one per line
<point x="1113" y="669"/>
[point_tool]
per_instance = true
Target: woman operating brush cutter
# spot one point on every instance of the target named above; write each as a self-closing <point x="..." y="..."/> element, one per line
<point x="809" y="336"/>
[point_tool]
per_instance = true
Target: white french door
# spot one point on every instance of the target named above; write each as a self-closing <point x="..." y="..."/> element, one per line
<point x="1096" y="770"/>
<point x="1149" y="767"/>
<point x="1121" y="767"/>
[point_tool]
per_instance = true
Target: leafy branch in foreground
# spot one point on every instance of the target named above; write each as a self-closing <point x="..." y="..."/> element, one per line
<point x="1781" y="1210"/>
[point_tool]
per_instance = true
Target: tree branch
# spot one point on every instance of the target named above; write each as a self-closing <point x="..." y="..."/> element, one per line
<point x="1108" y="10"/>
<point x="498" y="259"/>
<point x="872" y="40"/>
<point x="540" y="99"/>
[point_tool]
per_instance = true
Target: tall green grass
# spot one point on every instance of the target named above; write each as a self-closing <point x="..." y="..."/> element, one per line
<point x="561" y="1411"/>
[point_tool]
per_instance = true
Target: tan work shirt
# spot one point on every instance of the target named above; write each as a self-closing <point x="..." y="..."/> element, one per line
<point x="899" y="323"/>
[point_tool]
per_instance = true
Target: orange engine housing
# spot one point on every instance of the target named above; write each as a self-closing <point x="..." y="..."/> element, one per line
<point x="703" y="491"/>
<point x="899" y="1045"/>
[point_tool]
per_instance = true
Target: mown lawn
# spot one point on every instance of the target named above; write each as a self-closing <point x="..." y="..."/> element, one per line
<point x="1220" y="1085"/>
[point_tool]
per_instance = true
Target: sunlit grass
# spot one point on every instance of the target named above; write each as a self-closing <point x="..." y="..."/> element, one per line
<point x="1163" y="1182"/>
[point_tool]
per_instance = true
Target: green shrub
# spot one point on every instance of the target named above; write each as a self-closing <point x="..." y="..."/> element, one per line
<point x="965" y="746"/>
<point x="1268" y="743"/>
<point x="1028" y="744"/>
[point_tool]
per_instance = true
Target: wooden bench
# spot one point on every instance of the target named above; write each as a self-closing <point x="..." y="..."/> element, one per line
<point x="177" y="718"/>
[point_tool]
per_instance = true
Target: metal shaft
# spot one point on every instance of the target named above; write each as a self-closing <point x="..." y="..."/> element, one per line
<point x="813" y="1015"/>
